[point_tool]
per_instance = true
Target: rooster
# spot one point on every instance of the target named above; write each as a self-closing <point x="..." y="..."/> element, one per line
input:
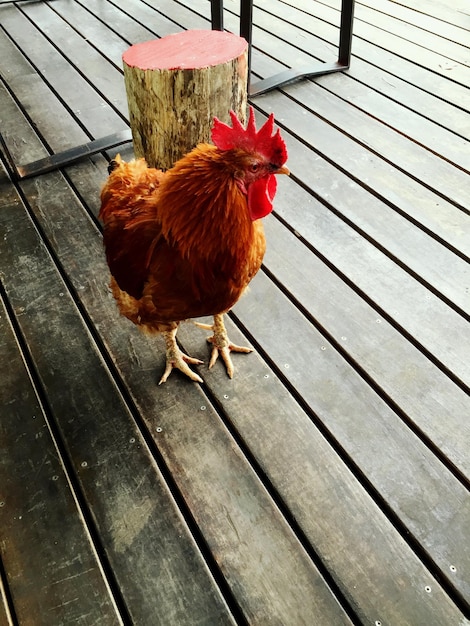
<point x="185" y="243"/>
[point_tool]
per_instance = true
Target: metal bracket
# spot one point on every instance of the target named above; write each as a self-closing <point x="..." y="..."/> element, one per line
<point x="316" y="69"/>
<point x="62" y="159"/>
<point x="291" y="75"/>
<point x="67" y="157"/>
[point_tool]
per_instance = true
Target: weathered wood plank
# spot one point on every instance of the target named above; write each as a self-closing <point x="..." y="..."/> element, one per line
<point x="52" y="569"/>
<point x="421" y="199"/>
<point x="426" y="396"/>
<point x="376" y="220"/>
<point x="384" y="224"/>
<point x="427" y="22"/>
<point x="391" y="146"/>
<point x="403" y="469"/>
<point x="426" y="133"/>
<point x="418" y="197"/>
<point x="201" y="598"/>
<point x="405" y="301"/>
<point x="76" y="93"/>
<point x="176" y="438"/>
<point x="242" y="508"/>
<point x="130" y="504"/>
<point x="413" y="32"/>
<point x="140" y="22"/>
<point x="381" y="73"/>
<point x="434" y="172"/>
<point x="401" y="119"/>
<point x="455" y="13"/>
<point x="182" y="433"/>
<point x="341" y="519"/>
<point x="365" y="555"/>
<point x="412" y="51"/>
<point x="397" y="90"/>
<point x="239" y="522"/>
<point x="321" y="21"/>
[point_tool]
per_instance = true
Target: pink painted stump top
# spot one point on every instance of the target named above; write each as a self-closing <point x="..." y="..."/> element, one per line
<point x="190" y="49"/>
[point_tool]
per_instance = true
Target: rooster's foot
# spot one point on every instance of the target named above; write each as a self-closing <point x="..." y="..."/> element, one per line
<point x="222" y="344"/>
<point x="175" y="358"/>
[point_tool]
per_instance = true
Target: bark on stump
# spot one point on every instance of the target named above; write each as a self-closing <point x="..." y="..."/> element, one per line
<point x="176" y="85"/>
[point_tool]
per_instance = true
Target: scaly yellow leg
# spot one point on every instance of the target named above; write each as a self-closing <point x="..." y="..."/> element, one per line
<point x="221" y="343"/>
<point x="175" y="358"/>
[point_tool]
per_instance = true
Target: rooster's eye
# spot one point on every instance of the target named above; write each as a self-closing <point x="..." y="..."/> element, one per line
<point x="254" y="167"/>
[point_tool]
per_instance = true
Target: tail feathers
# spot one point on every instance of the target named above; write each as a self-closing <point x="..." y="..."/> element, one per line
<point x="112" y="165"/>
<point x="128" y="189"/>
<point x="115" y="163"/>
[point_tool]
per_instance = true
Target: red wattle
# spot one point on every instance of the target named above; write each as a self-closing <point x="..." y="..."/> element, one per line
<point x="260" y="197"/>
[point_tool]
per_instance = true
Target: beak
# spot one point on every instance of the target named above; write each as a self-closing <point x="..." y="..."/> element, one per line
<point x="283" y="170"/>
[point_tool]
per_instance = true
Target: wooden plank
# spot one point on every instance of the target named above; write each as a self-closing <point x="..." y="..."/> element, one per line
<point x="52" y="569"/>
<point x="382" y="72"/>
<point x="168" y="17"/>
<point x="69" y="233"/>
<point x="432" y="403"/>
<point x="429" y="22"/>
<point x="350" y="200"/>
<point x="431" y="136"/>
<point x="331" y="510"/>
<point x="417" y="198"/>
<point x="140" y="22"/>
<point x="201" y="597"/>
<point x="181" y="435"/>
<point x="266" y="535"/>
<point x="455" y="13"/>
<point x="405" y="121"/>
<point x="413" y="32"/>
<point x="378" y="221"/>
<point x="371" y="100"/>
<point x="324" y="24"/>
<point x="402" y="471"/>
<point x="412" y="125"/>
<point x="413" y="52"/>
<point x="30" y="89"/>
<point x="396" y="149"/>
<point x="406" y="94"/>
<point x="80" y="97"/>
<point x="130" y="503"/>
<point x="224" y="494"/>
<point x="396" y="294"/>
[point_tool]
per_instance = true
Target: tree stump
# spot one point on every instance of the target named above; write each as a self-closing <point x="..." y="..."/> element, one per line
<point x="176" y="85"/>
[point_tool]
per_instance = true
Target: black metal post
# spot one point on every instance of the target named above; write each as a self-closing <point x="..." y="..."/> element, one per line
<point x="66" y="157"/>
<point x="317" y="68"/>
<point x="217" y="14"/>
<point x="345" y="32"/>
<point x="246" y="27"/>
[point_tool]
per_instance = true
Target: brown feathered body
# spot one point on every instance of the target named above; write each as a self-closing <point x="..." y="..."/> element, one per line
<point x="180" y="244"/>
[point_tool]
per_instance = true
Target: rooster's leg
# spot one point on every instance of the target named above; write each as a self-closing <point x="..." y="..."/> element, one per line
<point x="222" y="344"/>
<point x="176" y="358"/>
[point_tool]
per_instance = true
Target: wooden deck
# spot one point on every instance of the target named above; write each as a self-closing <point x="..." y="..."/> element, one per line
<point x="328" y="483"/>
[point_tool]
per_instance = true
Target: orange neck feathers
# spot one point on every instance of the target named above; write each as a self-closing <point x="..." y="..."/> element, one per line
<point x="203" y="209"/>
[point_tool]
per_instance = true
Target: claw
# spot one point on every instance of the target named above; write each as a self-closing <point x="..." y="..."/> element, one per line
<point x="175" y="358"/>
<point x="204" y="326"/>
<point x="221" y="344"/>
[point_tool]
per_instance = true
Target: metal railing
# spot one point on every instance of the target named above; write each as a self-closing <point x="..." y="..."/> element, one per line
<point x="67" y="157"/>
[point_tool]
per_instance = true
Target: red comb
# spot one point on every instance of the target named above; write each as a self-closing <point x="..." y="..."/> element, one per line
<point x="263" y="141"/>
